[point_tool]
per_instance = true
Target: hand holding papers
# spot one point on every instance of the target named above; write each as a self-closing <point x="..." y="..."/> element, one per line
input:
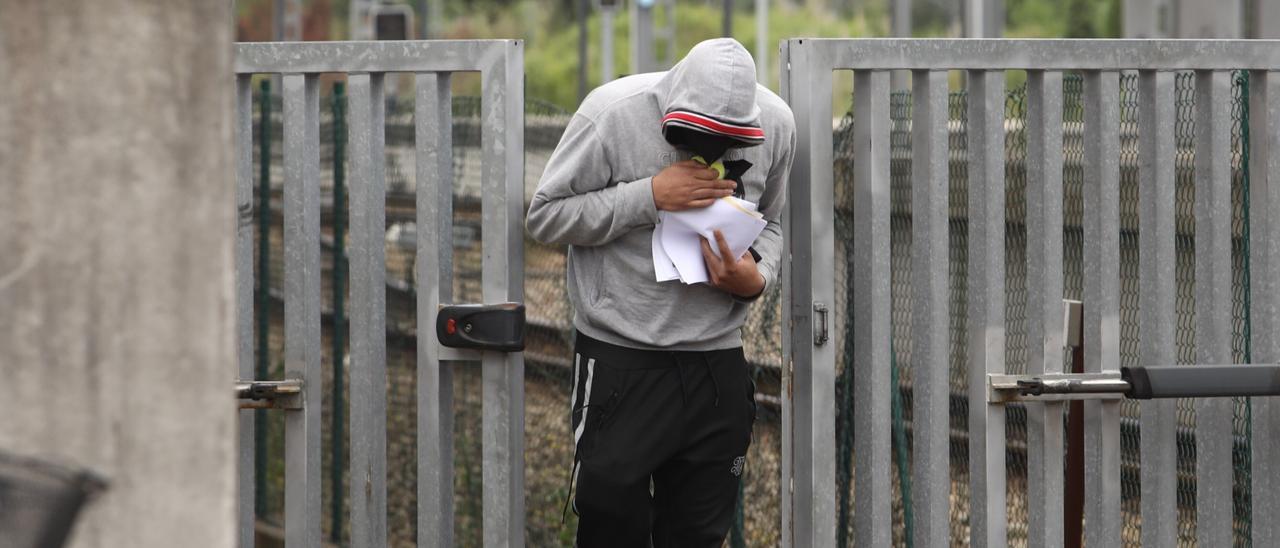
<point x="677" y="246"/>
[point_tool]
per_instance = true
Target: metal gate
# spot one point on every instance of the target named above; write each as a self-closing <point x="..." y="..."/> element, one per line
<point x="366" y="65"/>
<point x="810" y="353"/>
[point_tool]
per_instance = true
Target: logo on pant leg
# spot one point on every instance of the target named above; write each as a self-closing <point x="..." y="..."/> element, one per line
<point x="736" y="470"/>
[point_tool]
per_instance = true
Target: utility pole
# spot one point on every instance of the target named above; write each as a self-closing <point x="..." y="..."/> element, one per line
<point x="642" y="58"/>
<point x="983" y="18"/>
<point x="607" y="8"/>
<point x="670" y="32"/>
<point x="424" y="22"/>
<point x="762" y="41"/>
<point x="900" y="15"/>
<point x="580" y="10"/>
<point x="727" y="23"/>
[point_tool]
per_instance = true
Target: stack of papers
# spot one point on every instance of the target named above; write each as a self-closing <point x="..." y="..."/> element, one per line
<point x="677" y="238"/>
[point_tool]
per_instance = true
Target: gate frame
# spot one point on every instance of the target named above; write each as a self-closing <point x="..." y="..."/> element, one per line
<point x="501" y="65"/>
<point x="808" y="504"/>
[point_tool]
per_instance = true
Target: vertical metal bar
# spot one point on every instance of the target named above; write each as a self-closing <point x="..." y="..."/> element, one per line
<point x="786" y="476"/>
<point x="930" y="364"/>
<point x="812" y="245"/>
<point x="1102" y="302"/>
<point x="244" y="298"/>
<point x="368" y="312"/>
<point x="1264" y="307"/>
<point x="1044" y="303"/>
<point x="872" y="415"/>
<point x="263" y="297"/>
<point x="433" y="117"/>
<point x="503" y="280"/>
<point x="1157" y="287"/>
<point x="1213" y="303"/>
<point x="302" y="307"/>
<point x="987" y="525"/>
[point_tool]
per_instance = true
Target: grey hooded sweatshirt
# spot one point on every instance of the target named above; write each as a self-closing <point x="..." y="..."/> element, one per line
<point x="596" y="195"/>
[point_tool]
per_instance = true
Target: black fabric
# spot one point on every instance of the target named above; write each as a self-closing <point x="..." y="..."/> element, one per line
<point x="709" y="146"/>
<point x="677" y="421"/>
<point x="734" y="170"/>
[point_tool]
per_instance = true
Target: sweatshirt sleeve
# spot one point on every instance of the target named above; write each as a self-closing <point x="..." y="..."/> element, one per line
<point x="769" y="243"/>
<point x="575" y="203"/>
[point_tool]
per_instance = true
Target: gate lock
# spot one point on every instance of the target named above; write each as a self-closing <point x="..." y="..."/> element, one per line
<point x="1139" y="383"/>
<point x="498" y="327"/>
<point x="284" y="394"/>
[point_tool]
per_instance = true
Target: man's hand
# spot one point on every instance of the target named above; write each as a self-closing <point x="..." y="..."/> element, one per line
<point x="688" y="185"/>
<point x="739" y="277"/>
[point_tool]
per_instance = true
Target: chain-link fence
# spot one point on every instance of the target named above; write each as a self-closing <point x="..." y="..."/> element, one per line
<point x="1016" y="299"/>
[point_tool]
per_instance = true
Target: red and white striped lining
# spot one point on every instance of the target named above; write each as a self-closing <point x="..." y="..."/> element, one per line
<point x="698" y="122"/>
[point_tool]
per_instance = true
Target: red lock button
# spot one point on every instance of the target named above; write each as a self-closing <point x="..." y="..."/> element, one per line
<point x="451" y="326"/>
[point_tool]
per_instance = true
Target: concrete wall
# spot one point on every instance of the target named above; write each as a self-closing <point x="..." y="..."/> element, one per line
<point x="116" y="231"/>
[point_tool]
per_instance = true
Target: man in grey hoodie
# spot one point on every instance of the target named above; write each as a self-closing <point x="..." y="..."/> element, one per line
<point x="662" y="397"/>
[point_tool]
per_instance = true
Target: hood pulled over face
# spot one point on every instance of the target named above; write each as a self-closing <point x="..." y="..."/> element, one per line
<point x="711" y="103"/>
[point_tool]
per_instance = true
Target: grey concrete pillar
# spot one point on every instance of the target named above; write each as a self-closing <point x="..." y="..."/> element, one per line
<point x="117" y="219"/>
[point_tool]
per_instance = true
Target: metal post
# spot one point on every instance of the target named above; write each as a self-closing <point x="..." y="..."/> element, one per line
<point x="1102" y="302"/>
<point x="434" y="267"/>
<point x="641" y="29"/>
<point x="872" y="333"/>
<point x="1264" y="278"/>
<point x="900" y="14"/>
<point x="580" y="12"/>
<point x="929" y="309"/>
<point x="502" y="421"/>
<point x="607" y="73"/>
<point x="368" y="312"/>
<point x="339" y="278"/>
<point x="1157" y="287"/>
<point x="808" y="425"/>
<point x="1044" y="302"/>
<point x="246" y="469"/>
<point x="264" y="292"/>
<point x="1214" y="433"/>
<point x="302" y="307"/>
<point x="762" y="41"/>
<point x="726" y="24"/>
<point x="986" y="305"/>
<point x="424" y="19"/>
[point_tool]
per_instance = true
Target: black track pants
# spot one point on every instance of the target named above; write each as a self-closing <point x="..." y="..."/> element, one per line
<point x="661" y="440"/>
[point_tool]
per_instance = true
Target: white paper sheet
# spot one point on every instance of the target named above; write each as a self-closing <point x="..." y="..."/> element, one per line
<point x="678" y="241"/>
<point x="662" y="266"/>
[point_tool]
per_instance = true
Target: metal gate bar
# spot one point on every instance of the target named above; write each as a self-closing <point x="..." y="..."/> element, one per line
<point x="1045" y="328"/>
<point x="871" y="299"/>
<point x="244" y="298"/>
<point x="1157" y="320"/>
<point x="808" y="418"/>
<point x="434" y="264"/>
<point x="500" y="63"/>
<point x="302" y="305"/>
<point x="986" y="302"/>
<point x="931" y="469"/>
<point x="1264" y="242"/>
<point x="1213" y="303"/>
<point x="1102" y="301"/>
